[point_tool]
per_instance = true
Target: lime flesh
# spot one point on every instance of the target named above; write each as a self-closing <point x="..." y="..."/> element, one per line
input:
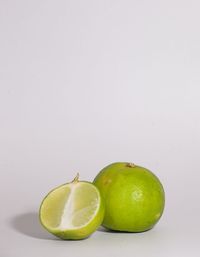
<point x="73" y="210"/>
<point x="134" y="197"/>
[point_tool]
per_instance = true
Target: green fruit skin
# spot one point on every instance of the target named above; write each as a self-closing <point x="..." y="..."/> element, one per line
<point x="134" y="197"/>
<point x="81" y="233"/>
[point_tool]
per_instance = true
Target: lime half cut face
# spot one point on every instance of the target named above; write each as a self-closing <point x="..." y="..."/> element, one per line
<point x="73" y="210"/>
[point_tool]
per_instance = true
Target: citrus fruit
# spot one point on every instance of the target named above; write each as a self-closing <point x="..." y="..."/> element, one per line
<point x="134" y="197"/>
<point x="73" y="210"/>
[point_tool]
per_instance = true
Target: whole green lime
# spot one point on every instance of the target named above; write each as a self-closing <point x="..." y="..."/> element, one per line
<point x="134" y="197"/>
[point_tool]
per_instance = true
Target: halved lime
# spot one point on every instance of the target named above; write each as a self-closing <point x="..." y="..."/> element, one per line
<point x="73" y="210"/>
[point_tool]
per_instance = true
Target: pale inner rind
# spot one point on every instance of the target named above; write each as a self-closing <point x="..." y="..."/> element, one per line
<point x="66" y="217"/>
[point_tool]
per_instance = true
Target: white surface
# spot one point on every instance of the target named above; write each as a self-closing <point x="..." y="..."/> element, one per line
<point x="87" y="83"/>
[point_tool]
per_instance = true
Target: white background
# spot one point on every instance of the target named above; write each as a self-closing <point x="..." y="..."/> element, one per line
<point x="87" y="83"/>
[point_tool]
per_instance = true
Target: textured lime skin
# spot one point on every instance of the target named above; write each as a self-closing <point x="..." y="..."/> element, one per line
<point x="134" y="197"/>
<point x="78" y="233"/>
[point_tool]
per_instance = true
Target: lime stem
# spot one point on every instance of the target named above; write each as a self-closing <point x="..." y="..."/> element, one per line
<point x="76" y="179"/>
<point x="130" y="165"/>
